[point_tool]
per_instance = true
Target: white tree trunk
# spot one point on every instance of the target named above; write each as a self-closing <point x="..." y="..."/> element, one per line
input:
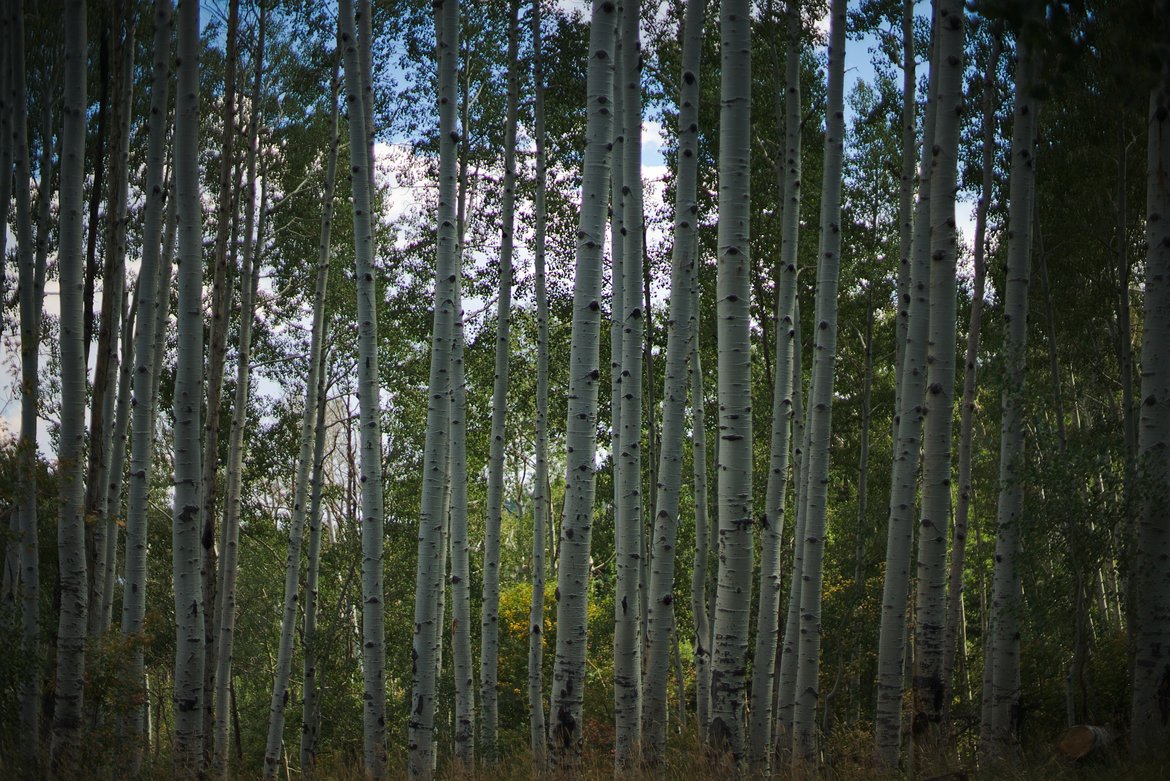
<point x="1005" y="637"/>
<point x="821" y="401"/>
<point x="490" y="619"/>
<point x="702" y="637"/>
<point x="733" y="294"/>
<point x="460" y="550"/>
<point x="892" y="646"/>
<point x="187" y="553"/>
<point x="428" y="581"/>
<point x="679" y="346"/>
<point x="373" y="612"/>
<point x="627" y="672"/>
<point x="71" y="526"/>
<point x="581" y="427"/>
<point x="772" y="542"/>
<point x="930" y="604"/>
<point x="1152" y="615"/>
<point x="541" y="500"/>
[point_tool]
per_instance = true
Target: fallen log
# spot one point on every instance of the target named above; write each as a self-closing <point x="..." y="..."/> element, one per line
<point x="1083" y="739"/>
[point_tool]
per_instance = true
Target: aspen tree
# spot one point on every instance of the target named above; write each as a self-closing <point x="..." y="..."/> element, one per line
<point x="540" y="499"/>
<point x="1004" y="657"/>
<point x="186" y="549"/>
<point x="930" y="603"/>
<point x="821" y="401"/>
<point x="617" y="252"/>
<point x="311" y="686"/>
<point x="373" y="615"/>
<point x="702" y="635"/>
<point x="29" y="269"/>
<point x="905" y="199"/>
<point x="733" y="292"/>
<point x="970" y="369"/>
<point x="146" y="364"/>
<point x="903" y="478"/>
<point x="280" y="694"/>
<point x="628" y="483"/>
<point x="10" y="99"/>
<point x="428" y="582"/>
<point x="71" y="624"/>
<point x="490" y="620"/>
<point x="767" y="628"/>
<point x="679" y="344"/>
<point x="1152" y="609"/>
<point x="108" y="362"/>
<point x="568" y="685"/>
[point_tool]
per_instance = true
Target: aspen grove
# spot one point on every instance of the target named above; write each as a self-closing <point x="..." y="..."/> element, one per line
<point x="593" y="388"/>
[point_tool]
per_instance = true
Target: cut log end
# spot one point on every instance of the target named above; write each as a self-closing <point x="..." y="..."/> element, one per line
<point x="1083" y="739"/>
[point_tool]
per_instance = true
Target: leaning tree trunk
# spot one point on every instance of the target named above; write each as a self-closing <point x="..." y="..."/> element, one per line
<point x="71" y="625"/>
<point x="187" y="551"/>
<point x="660" y="620"/>
<point x="733" y="296"/>
<point x="1004" y="657"/>
<point x="903" y="478"/>
<point x="767" y="626"/>
<point x="970" y="364"/>
<point x="106" y="371"/>
<point x="373" y="613"/>
<point x="627" y="671"/>
<point x="1151" y="667"/>
<point x="930" y="602"/>
<point x="566" y="738"/>
<point x="821" y="403"/>
<point x="540" y="499"/>
<point x="229" y="543"/>
<point x="113" y="509"/>
<point x="311" y="682"/>
<point x="146" y="369"/>
<point x="428" y="581"/>
<point x="490" y="619"/>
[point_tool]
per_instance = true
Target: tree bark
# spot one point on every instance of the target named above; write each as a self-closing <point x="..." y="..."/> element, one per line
<point x="679" y="346"/>
<point x="702" y="637"/>
<point x="1151" y="663"/>
<point x="581" y="438"/>
<point x="1004" y="653"/>
<point x="71" y="626"/>
<point x="373" y="613"/>
<point x="772" y="544"/>
<point x="821" y="402"/>
<point x="733" y="600"/>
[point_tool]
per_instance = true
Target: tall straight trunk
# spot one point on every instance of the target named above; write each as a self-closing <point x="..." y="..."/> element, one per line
<point x="679" y="345"/>
<point x="905" y="198"/>
<point x="772" y="544"/>
<point x="1151" y="664"/>
<point x="373" y="613"/>
<point x="892" y="645"/>
<point x="71" y="624"/>
<point x="581" y="426"/>
<point x="98" y="190"/>
<point x="187" y="552"/>
<point x="365" y="34"/>
<point x="10" y="99"/>
<point x="540" y="498"/>
<point x="225" y="598"/>
<point x="108" y="359"/>
<point x="146" y="369"/>
<point x="627" y="672"/>
<point x="280" y="694"/>
<point x="462" y="664"/>
<point x="617" y="231"/>
<point x="821" y="401"/>
<point x="311" y="683"/>
<point x="428" y="581"/>
<point x="784" y="706"/>
<point x="113" y="509"/>
<point x="733" y="294"/>
<point x="970" y="363"/>
<point x="221" y="301"/>
<point x="30" y="296"/>
<point x="490" y="619"/>
<point x="930" y="603"/>
<point x="1004" y="694"/>
<point x="702" y="637"/>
